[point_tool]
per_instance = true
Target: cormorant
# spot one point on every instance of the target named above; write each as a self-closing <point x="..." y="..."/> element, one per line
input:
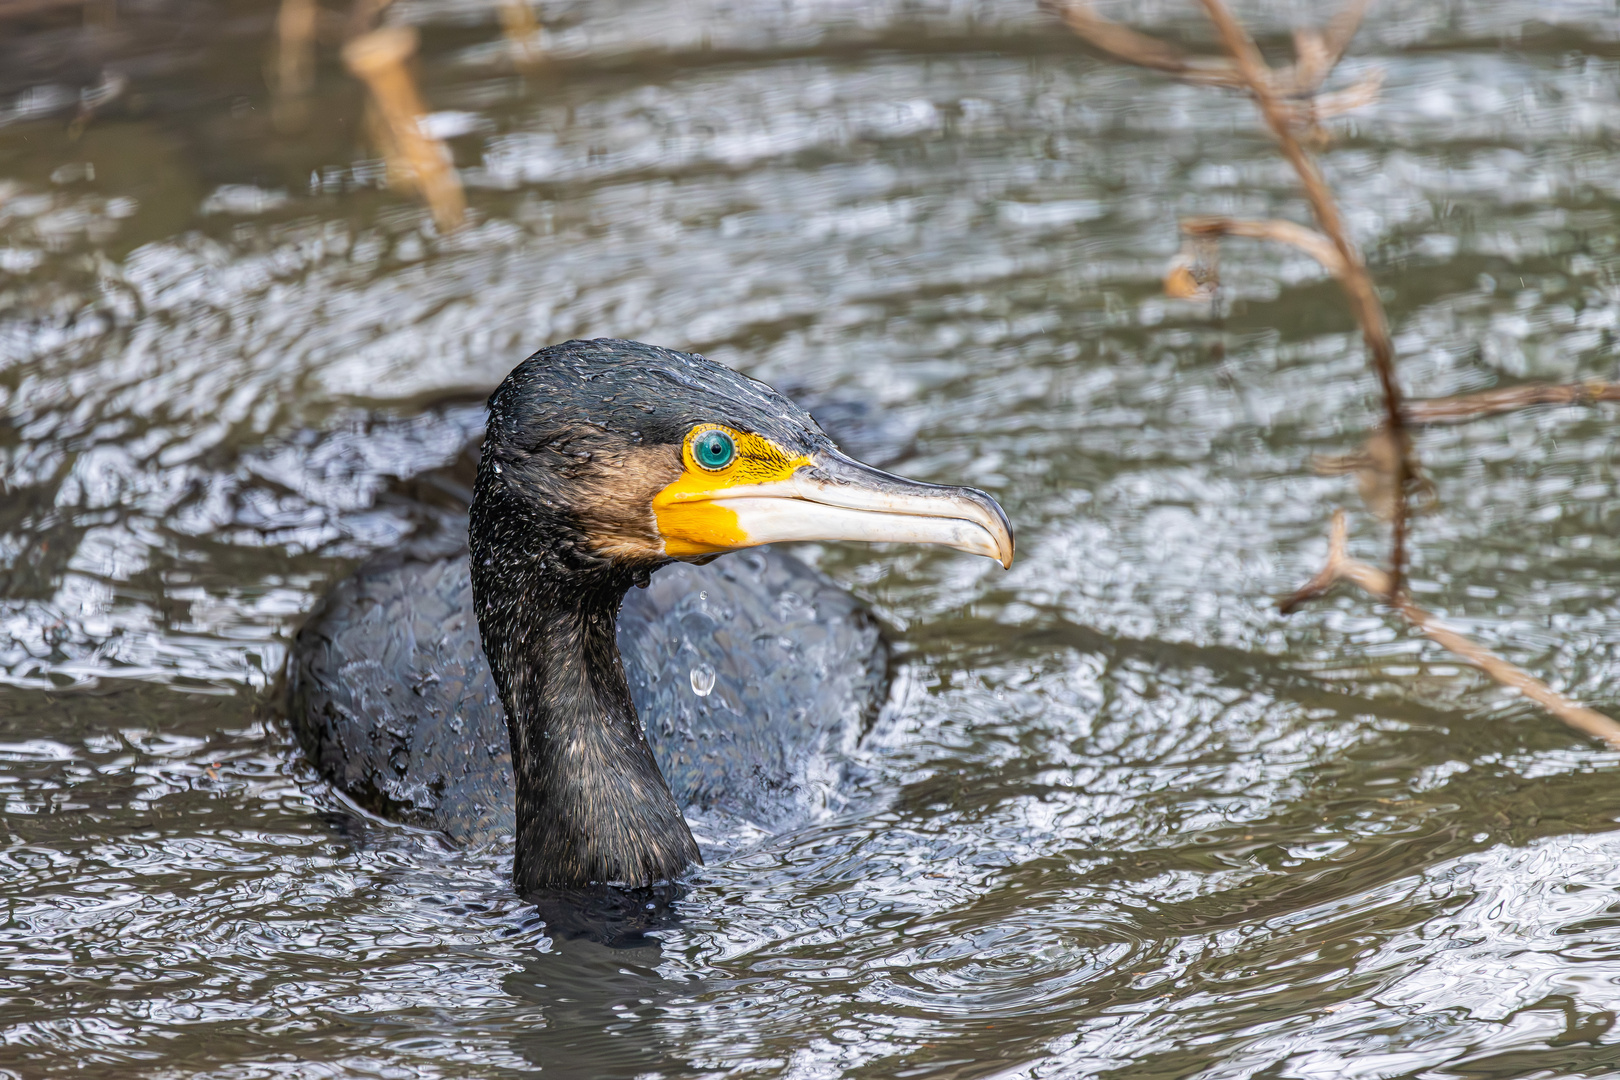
<point x="602" y="462"/>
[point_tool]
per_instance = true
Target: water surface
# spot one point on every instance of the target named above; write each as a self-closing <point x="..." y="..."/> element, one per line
<point x="1120" y="818"/>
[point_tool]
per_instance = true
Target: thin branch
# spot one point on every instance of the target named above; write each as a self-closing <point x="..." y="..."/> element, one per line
<point x="1388" y="458"/>
<point x="1320" y="53"/>
<point x="1464" y="407"/>
<point x="1276" y="94"/>
<point x="1373" y="466"/>
<point x="1357" y="283"/>
<point x="1309" y="241"/>
<point x="1341" y="29"/>
<point x="1359" y="94"/>
<point x="1134" y="47"/>
<point x="1341" y="568"/>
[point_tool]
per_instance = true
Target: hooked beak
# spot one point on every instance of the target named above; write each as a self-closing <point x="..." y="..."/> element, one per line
<point x="831" y="497"/>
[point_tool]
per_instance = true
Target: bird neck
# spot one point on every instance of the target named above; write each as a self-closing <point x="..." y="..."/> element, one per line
<point x="592" y="807"/>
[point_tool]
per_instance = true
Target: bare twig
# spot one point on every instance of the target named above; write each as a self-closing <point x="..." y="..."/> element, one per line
<point x="1373" y="466"/>
<point x="1464" y="407"/>
<point x="1277" y="94"/>
<point x="1385" y="466"/>
<point x="1357" y="283"/>
<point x="1359" y="94"/>
<point x="1309" y="241"/>
<point x="1134" y="47"/>
<point x="1319" y="53"/>
<point x="378" y="58"/>
<point x="1340" y="567"/>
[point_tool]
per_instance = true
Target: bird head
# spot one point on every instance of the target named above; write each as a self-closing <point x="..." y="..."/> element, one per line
<point x="621" y="454"/>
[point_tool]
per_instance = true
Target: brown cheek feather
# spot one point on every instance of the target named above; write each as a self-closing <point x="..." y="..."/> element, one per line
<point x="616" y="502"/>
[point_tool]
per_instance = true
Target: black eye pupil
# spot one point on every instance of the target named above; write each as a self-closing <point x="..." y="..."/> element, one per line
<point x="714" y="449"/>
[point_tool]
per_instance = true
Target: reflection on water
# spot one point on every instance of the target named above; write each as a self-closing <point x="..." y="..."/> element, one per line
<point x="1124" y="820"/>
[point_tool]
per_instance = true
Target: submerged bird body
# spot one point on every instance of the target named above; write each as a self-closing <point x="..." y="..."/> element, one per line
<point x="517" y="687"/>
<point x="753" y="676"/>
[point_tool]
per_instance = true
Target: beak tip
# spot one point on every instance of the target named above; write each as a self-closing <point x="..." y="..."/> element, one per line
<point x="1006" y="546"/>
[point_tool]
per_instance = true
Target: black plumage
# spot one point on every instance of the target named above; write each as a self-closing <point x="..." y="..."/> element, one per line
<point x="515" y="686"/>
<point x="395" y="705"/>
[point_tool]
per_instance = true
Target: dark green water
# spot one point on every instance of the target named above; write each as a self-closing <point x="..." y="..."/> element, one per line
<point x="1120" y="819"/>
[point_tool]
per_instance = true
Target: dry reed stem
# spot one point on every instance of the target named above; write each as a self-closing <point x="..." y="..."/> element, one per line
<point x="1465" y="407"/>
<point x="378" y="58"/>
<point x="1341" y="568"/>
<point x="396" y="169"/>
<point x="522" y="30"/>
<point x="363" y="16"/>
<point x="296" y="23"/>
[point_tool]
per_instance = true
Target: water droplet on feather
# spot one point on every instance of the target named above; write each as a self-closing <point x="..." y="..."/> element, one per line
<point x="702" y="680"/>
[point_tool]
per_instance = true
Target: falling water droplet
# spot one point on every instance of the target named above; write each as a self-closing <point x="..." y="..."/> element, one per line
<point x="702" y="680"/>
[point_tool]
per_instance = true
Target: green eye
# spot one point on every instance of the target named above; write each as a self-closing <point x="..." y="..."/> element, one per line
<point x="714" y="449"/>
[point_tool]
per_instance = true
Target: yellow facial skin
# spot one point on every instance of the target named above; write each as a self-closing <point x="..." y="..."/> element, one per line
<point x="691" y="523"/>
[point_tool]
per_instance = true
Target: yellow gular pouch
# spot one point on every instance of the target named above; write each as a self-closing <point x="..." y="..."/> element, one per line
<point x="691" y="520"/>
